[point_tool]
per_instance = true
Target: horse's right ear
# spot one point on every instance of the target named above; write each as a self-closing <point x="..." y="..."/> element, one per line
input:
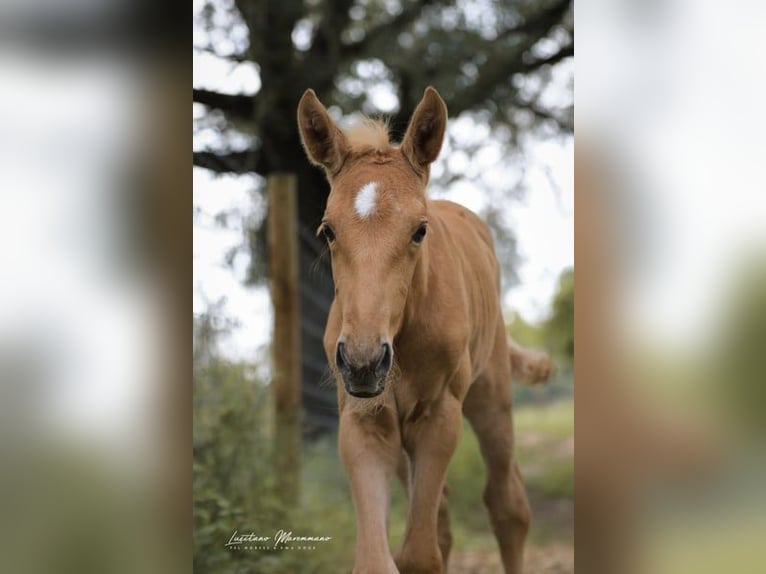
<point x="324" y="142"/>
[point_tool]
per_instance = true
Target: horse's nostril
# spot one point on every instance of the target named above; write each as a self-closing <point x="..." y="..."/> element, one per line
<point x="340" y="356"/>
<point x="384" y="364"/>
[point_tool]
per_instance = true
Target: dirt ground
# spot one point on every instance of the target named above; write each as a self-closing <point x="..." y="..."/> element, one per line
<point x="553" y="558"/>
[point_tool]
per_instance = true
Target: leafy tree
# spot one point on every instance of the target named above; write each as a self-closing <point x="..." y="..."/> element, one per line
<point x="489" y="57"/>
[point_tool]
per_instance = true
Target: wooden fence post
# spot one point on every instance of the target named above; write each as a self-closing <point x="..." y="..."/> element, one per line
<point x="286" y="353"/>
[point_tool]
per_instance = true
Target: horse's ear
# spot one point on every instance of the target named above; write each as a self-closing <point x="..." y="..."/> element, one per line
<point x="423" y="140"/>
<point x="324" y="142"/>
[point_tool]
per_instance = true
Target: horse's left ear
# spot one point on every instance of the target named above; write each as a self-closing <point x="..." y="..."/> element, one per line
<point x="423" y="140"/>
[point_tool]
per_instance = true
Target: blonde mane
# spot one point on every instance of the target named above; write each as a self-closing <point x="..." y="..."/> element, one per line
<point x="368" y="134"/>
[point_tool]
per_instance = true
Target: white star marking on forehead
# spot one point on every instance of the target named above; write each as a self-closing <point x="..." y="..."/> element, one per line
<point x="364" y="204"/>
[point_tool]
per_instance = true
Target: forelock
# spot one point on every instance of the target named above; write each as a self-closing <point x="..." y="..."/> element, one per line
<point x="367" y="135"/>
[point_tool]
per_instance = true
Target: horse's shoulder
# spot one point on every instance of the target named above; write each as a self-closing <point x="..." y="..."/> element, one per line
<point x="448" y="208"/>
<point x="459" y="219"/>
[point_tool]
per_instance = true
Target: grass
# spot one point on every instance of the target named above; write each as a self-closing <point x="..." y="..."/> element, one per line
<point x="544" y="436"/>
<point x="542" y="432"/>
<point x="555" y="420"/>
<point x="235" y="486"/>
<point x="325" y="508"/>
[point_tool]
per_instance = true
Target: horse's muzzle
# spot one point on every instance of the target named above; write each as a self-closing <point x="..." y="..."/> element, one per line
<point x="365" y="380"/>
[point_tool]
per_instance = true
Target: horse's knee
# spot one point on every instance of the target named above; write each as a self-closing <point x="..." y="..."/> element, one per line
<point x="508" y="508"/>
<point x="522" y="513"/>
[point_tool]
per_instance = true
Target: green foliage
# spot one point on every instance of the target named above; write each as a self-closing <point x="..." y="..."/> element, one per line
<point x="525" y="333"/>
<point x="559" y="327"/>
<point x="555" y="420"/>
<point x="545" y="448"/>
<point x="234" y="479"/>
<point x="467" y="478"/>
<point x="230" y="462"/>
<point x="234" y="484"/>
<point x="740" y="368"/>
<point x="555" y="335"/>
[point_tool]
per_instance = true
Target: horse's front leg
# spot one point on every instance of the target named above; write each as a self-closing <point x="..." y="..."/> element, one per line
<point x="430" y="441"/>
<point x="369" y="446"/>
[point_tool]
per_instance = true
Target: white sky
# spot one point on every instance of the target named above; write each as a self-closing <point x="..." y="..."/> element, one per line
<point x="543" y="222"/>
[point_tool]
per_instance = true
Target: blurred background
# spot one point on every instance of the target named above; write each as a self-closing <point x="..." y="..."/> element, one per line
<point x="671" y="252"/>
<point x="505" y="70"/>
<point x="93" y="220"/>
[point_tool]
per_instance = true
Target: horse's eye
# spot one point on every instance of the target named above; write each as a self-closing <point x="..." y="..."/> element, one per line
<point x="328" y="233"/>
<point x="418" y="236"/>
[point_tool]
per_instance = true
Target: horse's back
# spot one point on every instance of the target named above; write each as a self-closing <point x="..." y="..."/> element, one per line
<point x="476" y="274"/>
<point x="462" y="220"/>
<point x="472" y="241"/>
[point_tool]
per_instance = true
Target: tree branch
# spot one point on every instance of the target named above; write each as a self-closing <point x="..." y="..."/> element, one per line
<point x="320" y="64"/>
<point x="543" y="19"/>
<point x="239" y="162"/>
<point x="564" y="123"/>
<point x="236" y="58"/>
<point x="238" y="106"/>
<point x="505" y="63"/>
<point x="389" y="28"/>
<point x="563" y="53"/>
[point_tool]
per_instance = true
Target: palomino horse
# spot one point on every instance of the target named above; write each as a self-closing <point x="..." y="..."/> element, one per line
<point x="415" y="336"/>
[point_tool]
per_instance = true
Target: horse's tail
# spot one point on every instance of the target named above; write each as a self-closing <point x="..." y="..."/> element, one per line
<point x="529" y="366"/>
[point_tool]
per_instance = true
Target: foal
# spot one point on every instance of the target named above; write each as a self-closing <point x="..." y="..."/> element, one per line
<point x="415" y="336"/>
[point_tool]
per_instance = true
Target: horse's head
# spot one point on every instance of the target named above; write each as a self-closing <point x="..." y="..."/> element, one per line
<point x="375" y="225"/>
